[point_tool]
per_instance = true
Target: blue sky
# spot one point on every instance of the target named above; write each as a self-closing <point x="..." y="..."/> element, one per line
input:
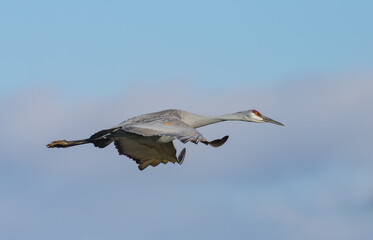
<point x="94" y="48"/>
<point x="70" y="69"/>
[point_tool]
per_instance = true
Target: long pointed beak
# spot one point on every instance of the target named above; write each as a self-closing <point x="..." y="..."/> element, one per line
<point x="269" y="120"/>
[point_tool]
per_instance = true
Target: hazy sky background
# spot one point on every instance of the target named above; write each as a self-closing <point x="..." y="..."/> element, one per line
<point x="72" y="68"/>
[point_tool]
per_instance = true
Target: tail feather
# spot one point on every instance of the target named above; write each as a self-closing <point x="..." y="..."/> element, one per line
<point x="101" y="143"/>
<point x="102" y="139"/>
<point x="65" y="144"/>
<point x="103" y="134"/>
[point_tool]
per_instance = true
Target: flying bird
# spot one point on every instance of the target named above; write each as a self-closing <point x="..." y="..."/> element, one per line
<point x="147" y="139"/>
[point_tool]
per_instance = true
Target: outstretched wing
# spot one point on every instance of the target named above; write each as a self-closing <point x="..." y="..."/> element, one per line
<point x="147" y="150"/>
<point x="150" y="143"/>
<point x="173" y="128"/>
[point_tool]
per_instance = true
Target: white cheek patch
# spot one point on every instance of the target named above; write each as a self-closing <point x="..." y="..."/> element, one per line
<point x="257" y="118"/>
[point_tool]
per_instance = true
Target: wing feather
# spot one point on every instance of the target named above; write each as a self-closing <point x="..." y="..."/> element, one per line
<point x="150" y="142"/>
<point x="173" y="128"/>
<point x="146" y="150"/>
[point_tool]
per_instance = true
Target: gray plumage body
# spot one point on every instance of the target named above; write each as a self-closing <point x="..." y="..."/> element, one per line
<point x="191" y="119"/>
<point x="147" y="138"/>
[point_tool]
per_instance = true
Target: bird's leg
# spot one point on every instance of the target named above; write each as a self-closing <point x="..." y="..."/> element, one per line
<point x="65" y="144"/>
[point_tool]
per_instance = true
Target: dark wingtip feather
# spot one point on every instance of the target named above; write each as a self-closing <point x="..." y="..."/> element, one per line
<point x="180" y="158"/>
<point x="219" y="142"/>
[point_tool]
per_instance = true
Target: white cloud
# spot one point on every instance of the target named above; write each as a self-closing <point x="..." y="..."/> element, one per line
<point x="305" y="180"/>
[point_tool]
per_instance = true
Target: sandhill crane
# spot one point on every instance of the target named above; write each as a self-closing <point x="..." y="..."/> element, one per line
<point x="147" y="139"/>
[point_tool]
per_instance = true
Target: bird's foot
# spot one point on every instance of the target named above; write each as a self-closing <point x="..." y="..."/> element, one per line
<point x="58" y="144"/>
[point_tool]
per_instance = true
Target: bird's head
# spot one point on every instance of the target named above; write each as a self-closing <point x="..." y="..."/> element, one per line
<point x="255" y="116"/>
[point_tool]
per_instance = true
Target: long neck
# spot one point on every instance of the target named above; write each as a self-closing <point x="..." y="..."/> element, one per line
<point x="200" y="121"/>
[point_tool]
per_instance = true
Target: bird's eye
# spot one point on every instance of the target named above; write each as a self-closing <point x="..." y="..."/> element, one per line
<point x="256" y="112"/>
